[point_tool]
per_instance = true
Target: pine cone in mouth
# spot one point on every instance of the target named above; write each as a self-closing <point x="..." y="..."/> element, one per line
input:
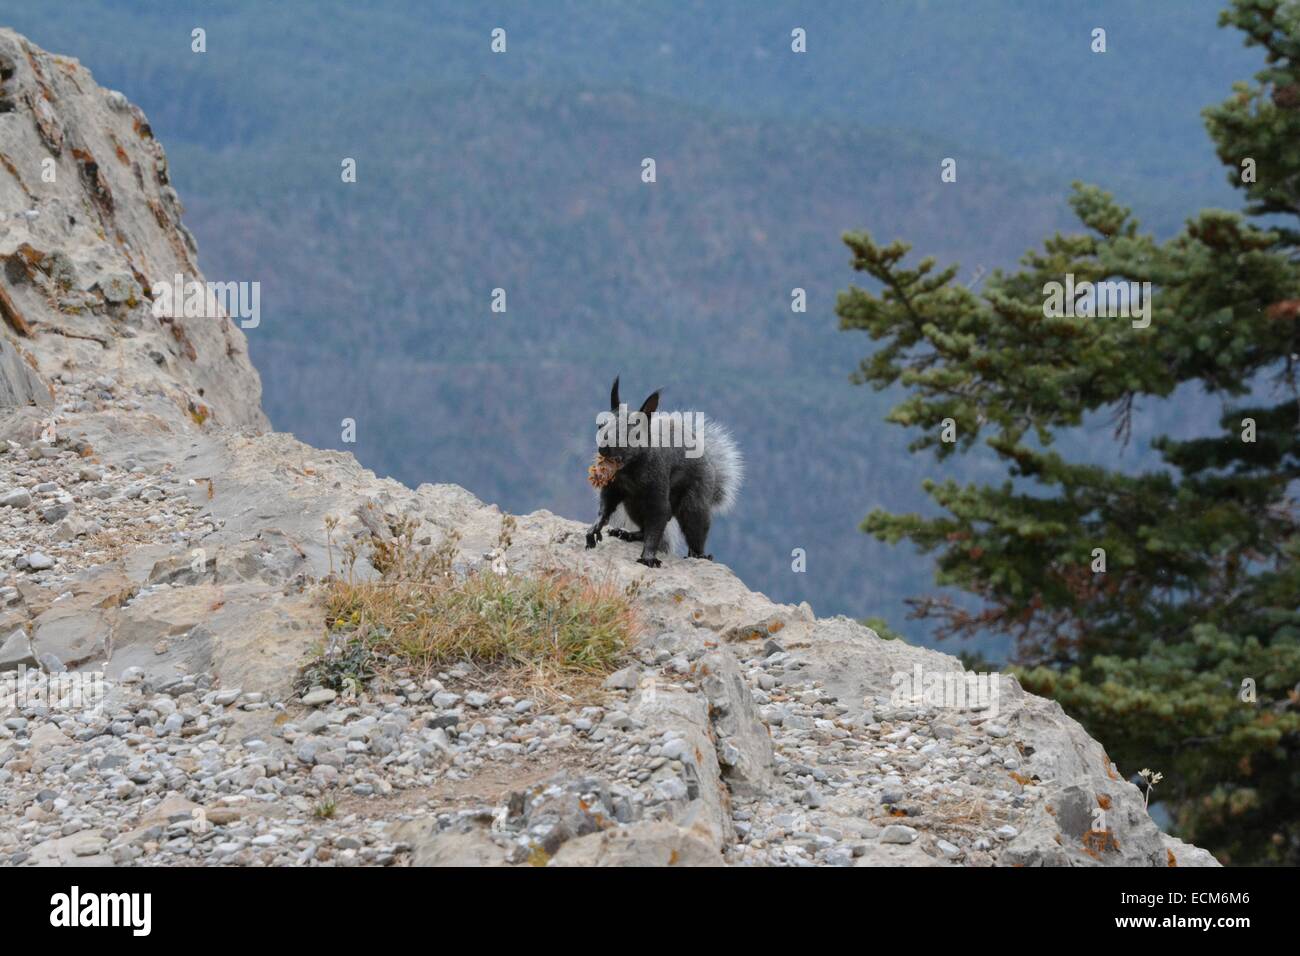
<point x="602" y="471"/>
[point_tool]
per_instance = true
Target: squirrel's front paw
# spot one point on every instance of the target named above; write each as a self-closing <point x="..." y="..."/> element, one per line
<point x="592" y="537"/>
<point x="702" y="557"/>
<point x="650" y="562"/>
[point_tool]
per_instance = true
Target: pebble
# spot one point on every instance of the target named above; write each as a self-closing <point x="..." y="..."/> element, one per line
<point x="898" y="833"/>
<point x="18" y="498"/>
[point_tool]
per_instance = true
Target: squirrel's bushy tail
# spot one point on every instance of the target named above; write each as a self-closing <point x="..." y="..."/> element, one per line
<point x="725" y="467"/>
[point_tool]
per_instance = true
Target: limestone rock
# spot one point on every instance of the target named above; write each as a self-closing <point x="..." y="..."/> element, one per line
<point x="19" y="382"/>
<point x="431" y="848"/>
<point x="744" y="744"/>
<point x="129" y="238"/>
<point x="16" y="652"/>
<point x="640" y="844"/>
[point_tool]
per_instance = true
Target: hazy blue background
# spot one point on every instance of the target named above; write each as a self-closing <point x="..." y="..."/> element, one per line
<point x="522" y="171"/>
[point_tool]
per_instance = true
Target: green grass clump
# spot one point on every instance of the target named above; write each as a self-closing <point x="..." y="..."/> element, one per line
<point x="549" y="634"/>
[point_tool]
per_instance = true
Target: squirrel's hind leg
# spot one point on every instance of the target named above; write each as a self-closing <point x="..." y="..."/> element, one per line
<point x="693" y="518"/>
<point x="653" y="531"/>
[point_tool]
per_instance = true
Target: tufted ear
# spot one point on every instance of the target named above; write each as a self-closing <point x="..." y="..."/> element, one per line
<point x="651" y="404"/>
<point x="613" y="396"/>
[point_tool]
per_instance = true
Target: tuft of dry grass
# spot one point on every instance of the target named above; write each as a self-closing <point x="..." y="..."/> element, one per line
<point x="551" y="635"/>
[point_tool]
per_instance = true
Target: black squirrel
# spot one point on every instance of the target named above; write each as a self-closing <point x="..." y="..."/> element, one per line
<point x="666" y="465"/>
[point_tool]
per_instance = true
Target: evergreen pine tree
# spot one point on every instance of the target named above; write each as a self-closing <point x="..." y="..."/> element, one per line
<point x="1148" y="604"/>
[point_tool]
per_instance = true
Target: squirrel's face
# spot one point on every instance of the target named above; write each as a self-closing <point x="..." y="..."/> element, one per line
<point x="615" y="442"/>
<point x="616" y="453"/>
<point x="610" y="445"/>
